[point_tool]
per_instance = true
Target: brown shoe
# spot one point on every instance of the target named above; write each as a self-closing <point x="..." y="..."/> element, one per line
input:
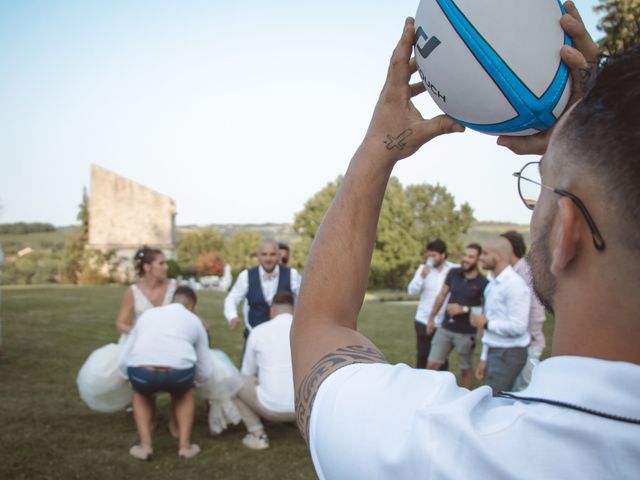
<point x="141" y="453"/>
<point x="189" y="452"/>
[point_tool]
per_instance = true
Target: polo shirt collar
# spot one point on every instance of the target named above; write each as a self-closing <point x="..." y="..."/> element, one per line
<point x="602" y="385"/>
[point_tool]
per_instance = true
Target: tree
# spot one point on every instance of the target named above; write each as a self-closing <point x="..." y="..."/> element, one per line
<point x="434" y="215"/>
<point x="620" y="23"/>
<point x="307" y="221"/>
<point x="408" y="219"/>
<point x="240" y="250"/>
<point x="75" y="255"/>
<point x="195" y="244"/>
<point x="395" y="249"/>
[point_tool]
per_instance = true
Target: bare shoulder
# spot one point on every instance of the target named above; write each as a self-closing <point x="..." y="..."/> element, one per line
<point x="329" y="363"/>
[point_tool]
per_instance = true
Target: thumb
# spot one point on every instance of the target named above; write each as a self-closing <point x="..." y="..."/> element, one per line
<point x="436" y="126"/>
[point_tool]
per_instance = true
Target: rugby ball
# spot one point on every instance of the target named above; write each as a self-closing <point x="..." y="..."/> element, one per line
<point x="494" y="65"/>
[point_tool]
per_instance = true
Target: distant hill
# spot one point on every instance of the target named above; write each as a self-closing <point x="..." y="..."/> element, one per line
<point x="282" y="232"/>
<point x="41" y="241"/>
<point x="12" y="243"/>
<point x="482" y="231"/>
<point x="479" y="232"/>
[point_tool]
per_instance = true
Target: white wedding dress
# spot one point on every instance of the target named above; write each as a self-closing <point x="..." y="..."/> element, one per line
<point x="103" y="388"/>
<point x="100" y="382"/>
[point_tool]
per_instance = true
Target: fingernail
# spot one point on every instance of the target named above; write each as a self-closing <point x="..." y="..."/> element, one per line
<point x="568" y="50"/>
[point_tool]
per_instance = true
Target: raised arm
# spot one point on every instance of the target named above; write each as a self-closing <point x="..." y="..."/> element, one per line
<point x="323" y="335"/>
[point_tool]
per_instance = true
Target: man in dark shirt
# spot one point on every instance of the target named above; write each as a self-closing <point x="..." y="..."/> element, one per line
<point x="465" y="287"/>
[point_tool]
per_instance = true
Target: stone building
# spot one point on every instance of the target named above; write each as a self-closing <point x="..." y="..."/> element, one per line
<point x="124" y="215"/>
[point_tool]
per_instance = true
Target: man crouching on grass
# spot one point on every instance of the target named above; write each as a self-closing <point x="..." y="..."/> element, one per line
<point x="167" y="351"/>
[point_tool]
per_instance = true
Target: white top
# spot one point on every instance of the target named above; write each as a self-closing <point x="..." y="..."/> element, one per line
<point x="169" y="336"/>
<point x="428" y="288"/>
<point x="268" y="357"/>
<point x="377" y="421"/>
<point x="141" y="303"/>
<point x="269" y="284"/>
<point x="506" y="306"/>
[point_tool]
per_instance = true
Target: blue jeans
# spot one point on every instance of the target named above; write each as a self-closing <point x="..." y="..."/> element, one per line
<point x="147" y="382"/>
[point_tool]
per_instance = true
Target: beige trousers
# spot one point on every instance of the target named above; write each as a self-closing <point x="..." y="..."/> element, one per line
<point x="251" y="410"/>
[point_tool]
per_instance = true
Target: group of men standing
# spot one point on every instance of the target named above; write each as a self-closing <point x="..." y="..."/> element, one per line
<point x="457" y="302"/>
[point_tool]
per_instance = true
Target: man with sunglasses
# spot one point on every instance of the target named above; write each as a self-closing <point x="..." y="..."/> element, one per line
<point x="580" y="416"/>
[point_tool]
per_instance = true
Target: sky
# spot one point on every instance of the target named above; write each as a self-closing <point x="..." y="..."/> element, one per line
<point x="240" y="111"/>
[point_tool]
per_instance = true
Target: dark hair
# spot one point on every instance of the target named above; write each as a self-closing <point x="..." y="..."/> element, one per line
<point x="517" y="242"/>
<point x="602" y="136"/>
<point x="475" y="246"/>
<point x="144" y="256"/>
<point x="188" y="293"/>
<point x="437" y="246"/>
<point x="283" y="298"/>
<point x="283" y="246"/>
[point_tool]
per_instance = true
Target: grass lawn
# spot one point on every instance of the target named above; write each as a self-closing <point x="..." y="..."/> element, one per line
<point x="48" y="433"/>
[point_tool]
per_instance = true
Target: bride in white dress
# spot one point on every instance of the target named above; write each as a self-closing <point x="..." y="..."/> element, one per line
<point x="100" y="382"/>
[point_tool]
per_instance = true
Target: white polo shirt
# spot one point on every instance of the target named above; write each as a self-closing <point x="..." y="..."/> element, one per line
<point x="378" y="421"/>
<point x="268" y="357"/>
<point x="507" y="300"/>
<point x="428" y="288"/>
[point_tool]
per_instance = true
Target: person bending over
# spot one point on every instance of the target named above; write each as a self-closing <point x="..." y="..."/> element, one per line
<point x="167" y="351"/>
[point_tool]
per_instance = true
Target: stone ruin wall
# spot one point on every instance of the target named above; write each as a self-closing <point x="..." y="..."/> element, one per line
<point x="124" y="215"/>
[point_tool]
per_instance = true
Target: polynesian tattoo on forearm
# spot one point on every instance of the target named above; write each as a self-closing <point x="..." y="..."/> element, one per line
<point x="328" y="364"/>
<point x="399" y="141"/>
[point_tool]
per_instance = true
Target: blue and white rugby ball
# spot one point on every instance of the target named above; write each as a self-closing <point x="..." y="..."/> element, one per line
<point x="494" y="65"/>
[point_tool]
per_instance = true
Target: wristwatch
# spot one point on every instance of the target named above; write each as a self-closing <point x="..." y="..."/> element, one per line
<point x="465" y="309"/>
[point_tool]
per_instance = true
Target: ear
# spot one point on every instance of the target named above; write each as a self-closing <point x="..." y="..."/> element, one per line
<point x="565" y="237"/>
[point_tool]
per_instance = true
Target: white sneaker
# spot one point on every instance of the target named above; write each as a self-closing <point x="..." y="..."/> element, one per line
<point x="256" y="443"/>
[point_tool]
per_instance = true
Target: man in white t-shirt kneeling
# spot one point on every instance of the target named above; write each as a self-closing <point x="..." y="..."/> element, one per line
<point x="167" y="351"/>
<point x="268" y="389"/>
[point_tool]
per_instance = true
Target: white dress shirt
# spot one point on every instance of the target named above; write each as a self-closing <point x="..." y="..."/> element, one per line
<point x="169" y="336"/>
<point x="269" y="284"/>
<point x="378" y="421"/>
<point x="507" y="299"/>
<point x="428" y="288"/>
<point x="268" y="357"/>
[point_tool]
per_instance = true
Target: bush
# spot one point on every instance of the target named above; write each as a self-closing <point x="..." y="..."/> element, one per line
<point x="35" y="268"/>
<point x="173" y="269"/>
